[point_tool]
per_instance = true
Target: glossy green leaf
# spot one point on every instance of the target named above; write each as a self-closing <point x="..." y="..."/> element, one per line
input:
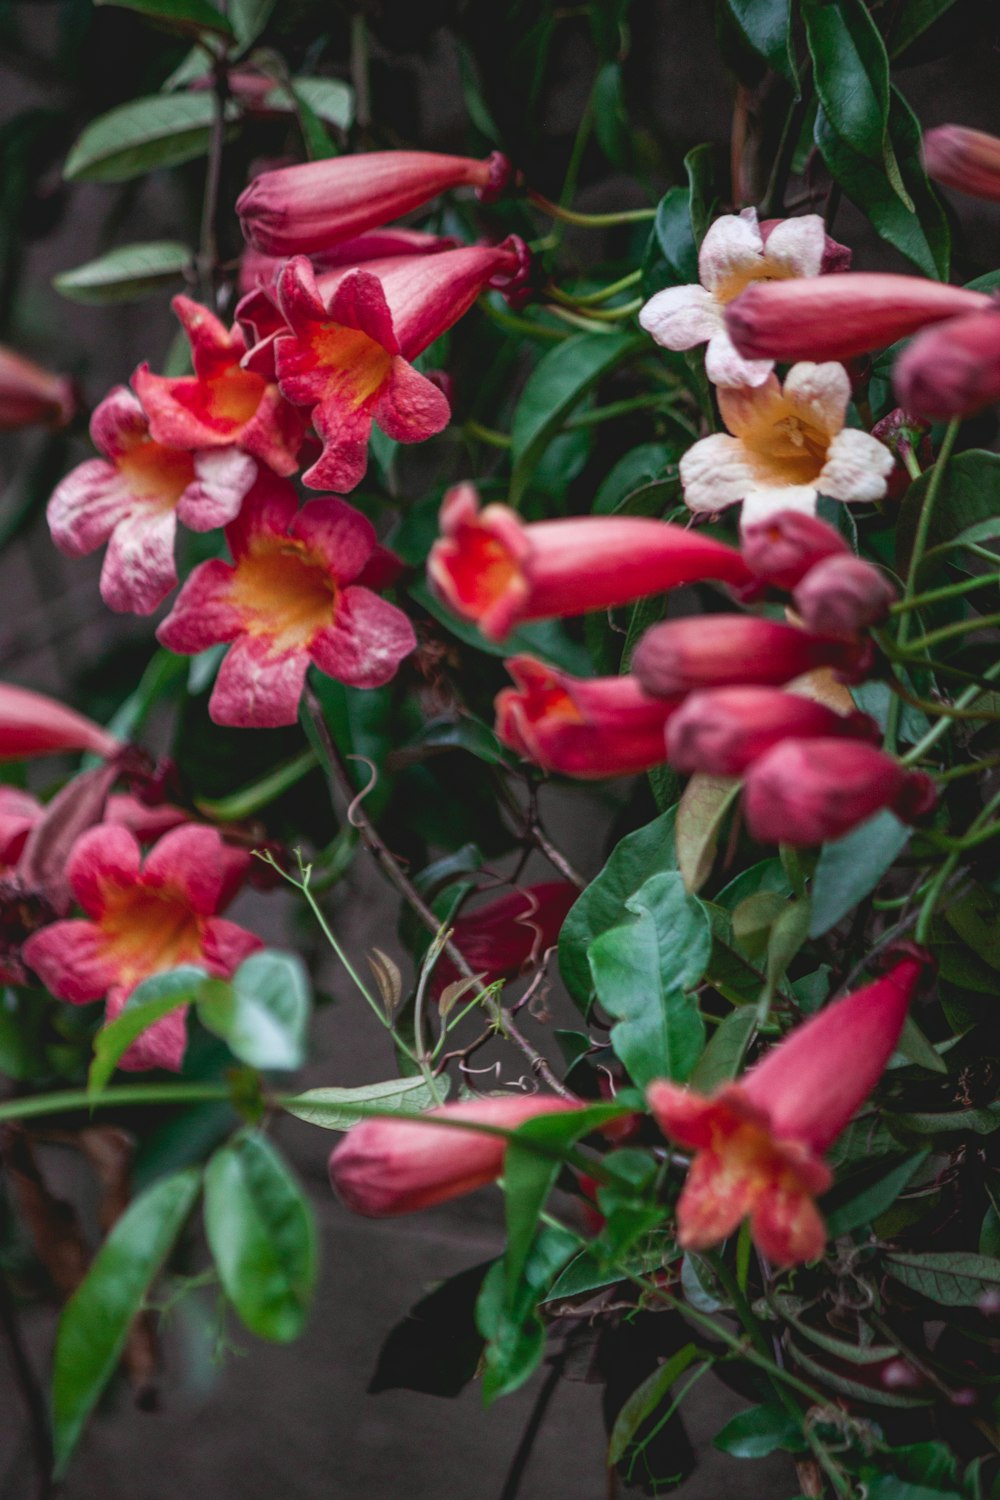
<point x="968" y="496"/>
<point x="188" y="17"/>
<point x="765" y="26"/>
<point x="637" y="469"/>
<point x="611" y="122"/>
<point x="758" y="1432"/>
<point x="340" y="1108"/>
<point x="330" y="100"/>
<point x="858" y="1202"/>
<point x="127" y="274"/>
<point x="141" y="136"/>
<point x="515" y="1334"/>
<point x="723" y="1058"/>
<point x="260" y="1229"/>
<point x="641" y="973"/>
<point x="850" y="868"/>
<point x="950" y="1278"/>
<point x="96" y="1320"/>
<point x="149" y="1002"/>
<point x="262" y="1013"/>
<point x="645" y="1400"/>
<point x="851" y="72"/>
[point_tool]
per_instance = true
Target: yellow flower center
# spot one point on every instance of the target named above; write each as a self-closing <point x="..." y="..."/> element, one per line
<point x="355" y="366"/>
<point x="283" y="594"/>
<point x="156" y="473"/>
<point x="784" y="446"/>
<point x="146" y="931"/>
<point x="738" y="281"/>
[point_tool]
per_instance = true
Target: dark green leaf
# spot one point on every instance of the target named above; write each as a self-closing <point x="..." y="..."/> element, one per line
<point x="249" y="18"/>
<point x="968" y="494"/>
<point x="95" y="1321"/>
<point x="645" y="1400"/>
<point x="515" y="1334"/>
<point x="888" y="1487"/>
<point x="149" y="1002"/>
<point x="639" y="467"/>
<point x="260" y="1230"/>
<point x="758" y="1432"/>
<point x="951" y="1278"/>
<point x="611" y="122"/>
<point x="262" y="1013"/>
<point x="852" y="1204"/>
<point x="851" y="72"/>
<point x="851" y="867"/>
<point x="723" y="1058"/>
<point x="435" y="1349"/>
<point x="339" y="1109"/>
<point x="545" y="639"/>
<point x="765" y="26"/>
<point x="259" y="794"/>
<point x="589" y="1273"/>
<point x="874" y="1393"/>
<point x="142" y="135"/>
<point x="438" y="735"/>
<point x="188" y="17"/>
<point x="127" y="274"/>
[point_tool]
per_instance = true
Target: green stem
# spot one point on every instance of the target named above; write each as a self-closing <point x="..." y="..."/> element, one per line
<point x="934" y="596"/>
<point x="616" y="409"/>
<point x="939" y="730"/>
<point x="513" y="324"/>
<point x="591" y="221"/>
<point x="130" y="1093"/>
<point x="589" y="299"/>
<point x="488" y="435"/>
<point x="949" y="632"/>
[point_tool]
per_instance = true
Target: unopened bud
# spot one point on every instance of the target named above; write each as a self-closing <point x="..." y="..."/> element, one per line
<point x="952" y="370"/>
<point x="843" y="595"/>
<point x="781" y="549"/>
<point x="965" y="159"/>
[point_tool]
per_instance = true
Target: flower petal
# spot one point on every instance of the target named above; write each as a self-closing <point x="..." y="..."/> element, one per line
<point x="338" y="534"/>
<point x="161" y="1045"/>
<point x="796" y="246"/>
<point x="767" y="501"/>
<point x="68" y="958"/>
<point x="203" y="614"/>
<point x="746" y="408"/>
<point x="187" y="860"/>
<point x="820" y="392"/>
<point x="267" y="512"/>
<point x="409" y="407"/>
<point x="345" y="431"/>
<point x="714" y="473"/>
<point x="118" y="423"/>
<point x="724" y="367"/>
<point x="787" y="1226"/>
<point x="715" y="1199"/>
<point x="258" y="690"/>
<point x="857" y="467"/>
<point x="104" y="858"/>
<point x="139" y="571"/>
<point x="366" y="642"/>
<point x="86" y="507"/>
<point x="733" y="245"/>
<point x="223" y="478"/>
<point x="225" y="945"/>
<point x="680" y="317"/>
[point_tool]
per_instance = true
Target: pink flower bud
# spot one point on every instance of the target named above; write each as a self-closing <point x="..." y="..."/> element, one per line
<point x="31" y="724"/>
<point x="724" y="650"/>
<point x="843" y="595"/>
<point x="804" y="792"/>
<point x="834" y="317"/>
<point x="724" y="731"/>
<point x="31" y="396"/>
<point x="965" y="159"/>
<point x="782" y="548"/>
<point x="953" y="370"/>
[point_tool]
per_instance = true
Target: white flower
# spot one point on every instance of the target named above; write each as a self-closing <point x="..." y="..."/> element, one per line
<point x="787" y="445"/>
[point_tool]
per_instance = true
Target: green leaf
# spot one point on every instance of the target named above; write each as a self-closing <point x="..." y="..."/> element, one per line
<point x="261" y="1233"/>
<point x="339" y="1109"/>
<point x="889" y="1487"/>
<point x="249" y="18"/>
<point x="851" y="1204"/>
<point x="646" y="852"/>
<point x="188" y="17"/>
<point x="968" y="495"/>
<point x="758" y="1432"/>
<point x="96" y="1320"/>
<point x="851" y="72"/>
<point x="850" y="868"/>
<point x="515" y="1334"/>
<point x="611" y="121"/>
<point x="127" y="274"/>
<point x="723" y="1058"/>
<point x="701" y="813"/>
<point x="765" y="26"/>
<point x="329" y="99"/>
<point x="641" y="971"/>
<point x="250" y="799"/>
<point x="951" y="1278"/>
<point x="149" y="1002"/>
<point x="645" y="1400"/>
<point x="135" y="138"/>
<point x="262" y="1013"/>
<point x="545" y="639"/>
<point x="562" y="378"/>
<point x="637" y="469"/>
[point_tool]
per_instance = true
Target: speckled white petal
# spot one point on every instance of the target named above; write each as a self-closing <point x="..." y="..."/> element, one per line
<point x="822" y="391"/>
<point x="795" y="246"/>
<point x="732" y="244"/>
<point x="680" y="317"/>
<point x="715" y="474"/>
<point x="725" y="368"/>
<point x="857" y="467"/>
<point x="764" y="502"/>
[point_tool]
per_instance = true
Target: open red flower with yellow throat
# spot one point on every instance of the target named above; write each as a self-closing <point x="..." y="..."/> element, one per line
<point x="141" y="918"/>
<point x="293" y="594"/>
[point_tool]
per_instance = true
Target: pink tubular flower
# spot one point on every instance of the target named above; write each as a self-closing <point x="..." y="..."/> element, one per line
<point x="349" y="357"/>
<point x="386" y="1167"/>
<point x="952" y="370"/>
<point x="724" y="731"/>
<point x="32" y="724"/>
<point x="260" y="270"/>
<point x="492" y="568"/>
<point x="295" y="210"/>
<point x="221" y="405"/>
<point x="735" y="252"/>
<point x="289" y="597"/>
<point x="735" y="650"/>
<point x="804" y="792"/>
<point x="505" y="936"/>
<point x="133" y="497"/>
<point x="835" y="317"/>
<point x="141" y="918"/>
<point x="589" y="728"/>
<point x="759" y="1143"/>
<point x="31" y="396"/>
<point x="842" y="595"/>
<point x="965" y="159"/>
<point x="782" y="548"/>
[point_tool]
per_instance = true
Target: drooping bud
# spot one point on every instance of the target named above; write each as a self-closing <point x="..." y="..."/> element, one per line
<point x="31" y="396"/>
<point x="781" y="549"/>
<point x="31" y="724"/>
<point x="952" y="370"/>
<point x="843" y="595"/>
<point x="724" y="731"/>
<point x="731" y="650"/>
<point x="965" y="159"/>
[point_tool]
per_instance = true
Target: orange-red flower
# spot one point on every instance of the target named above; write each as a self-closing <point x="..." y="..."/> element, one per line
<point x="759" y="1143"/>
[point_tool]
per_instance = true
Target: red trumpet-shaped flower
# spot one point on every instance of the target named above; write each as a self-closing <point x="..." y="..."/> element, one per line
<point x="724" y="731"/>
<point x="386" y="1167"/>
<point x="502" y="938"/>
<point x="133" y="497"/>
<point x="492" y="568"/>
<point x="260" y="270"/>
<point x="348" y="357"/>
<point x="585" y="727"/>
<point x="31" y="396"/>
<point x="221" y="405"/>
<point x="965" y="159"/>
<point x="952" y="370"/>
<point x="32" y="724"/>
<point x="804" y="792"/>
<point x="140" y="918"/>
<point x="289" y="597"/>
<point x="842" y="595"/>
<point x="783" y="547"/>
<point x="295" y="210"/>
<point x="734" y="650"/>
<point x="759" y="1143"/>
<point x="835" y="317"/>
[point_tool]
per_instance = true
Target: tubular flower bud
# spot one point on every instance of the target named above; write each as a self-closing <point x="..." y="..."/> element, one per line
<point x="952" y="370"/>
<point x="843" y="595"/>
<point x="493" y="569"/>
<point x="504" y="937"/>
<point x="289" y="598"/>
<point x="781" y="549"/>
<point x="735" y="252"/>
<point x="31" y="724"/>
<point x="724" y="731"/>
<point x="295" y="210"/>
<point x="804" y="792"/>
<point x="788" y="445"/>
<point x="31" y="396"/>
<point x="735" y="650"/>
<point x="260" y="270"/>
<point x="141" y="917"/>
<point x="386" y="1167"/>
<point x="965" y="159"/>
<point x="759" y="1143"/>
<point x="603" y="726"/>
<point x="835" y="317"/>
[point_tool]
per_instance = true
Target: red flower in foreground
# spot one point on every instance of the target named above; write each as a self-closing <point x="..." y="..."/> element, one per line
<point x="492" y="568"/>
<point x="804" y="792"/>
<point x="783" y="547"/>
<point x="586" y="727"/>
<point x="133" y="497"/>
<point x="32" y="724"/>
<point x="952" y="370"/>
<point x="733" y="650"/>
<point x="504" y="937"/>
<point x="221" y="405"/>
<point x="312" y="206"/>
<point x="965" y="159"/>
<point x="759" y="1143"/>
<point x="725" y="730"/>
<point x="289" y="597"/>
<point x="31" y="396"/>
<point x="141" y="918"/>
<point x="386" y="1167"/>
